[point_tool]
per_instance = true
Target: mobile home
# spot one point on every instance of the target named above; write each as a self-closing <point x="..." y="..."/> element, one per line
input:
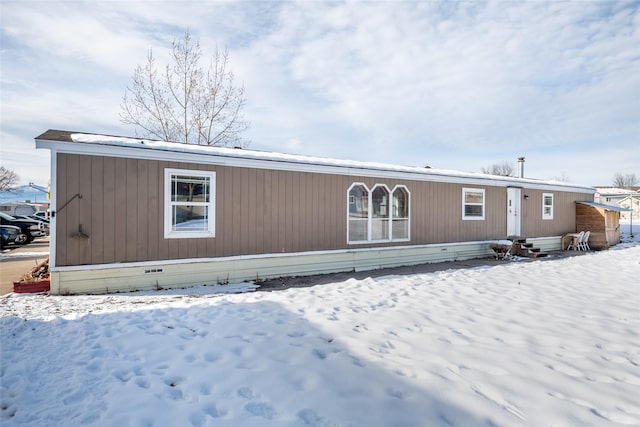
<point x="134" y="214"/>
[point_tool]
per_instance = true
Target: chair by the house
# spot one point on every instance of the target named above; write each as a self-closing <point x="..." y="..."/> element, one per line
<point x="584" y="245"/>
<point x="575" y="243"/>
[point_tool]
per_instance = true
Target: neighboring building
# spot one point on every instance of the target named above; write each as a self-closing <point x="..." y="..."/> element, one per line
<point x="631" y="202"/>
<point x="628" y="198"/>
<point x="16" y="208"/>
<point x="137" y="214"/>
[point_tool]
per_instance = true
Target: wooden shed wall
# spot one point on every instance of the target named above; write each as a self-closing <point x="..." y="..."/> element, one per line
<point x="260" y="211"/>
<point x="603" y="224"/>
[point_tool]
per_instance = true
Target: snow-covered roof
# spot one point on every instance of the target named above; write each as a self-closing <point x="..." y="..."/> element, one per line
<point x="605" y="207"/>
<point x="124" y="147"/>
<point x="613" y="191"/>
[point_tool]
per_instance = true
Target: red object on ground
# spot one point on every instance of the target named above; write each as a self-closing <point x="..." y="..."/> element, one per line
<point x="31" y="287"/>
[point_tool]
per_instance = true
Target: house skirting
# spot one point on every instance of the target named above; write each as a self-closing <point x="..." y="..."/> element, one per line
<point x="126" y="277"/>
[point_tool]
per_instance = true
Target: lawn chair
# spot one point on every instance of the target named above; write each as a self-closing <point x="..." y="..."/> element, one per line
<point x="577" y="242"/>
<point x="585" y="241"/>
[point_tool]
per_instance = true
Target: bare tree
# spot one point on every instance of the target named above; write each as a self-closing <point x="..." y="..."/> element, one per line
<point x="502" y="169"/>
<point x="8" y="179"/>
<point x="184" y="103"/>
<point x="562" y="178"/>
<point x="621" y="180"/>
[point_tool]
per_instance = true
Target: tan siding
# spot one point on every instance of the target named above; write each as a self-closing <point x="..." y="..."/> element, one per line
<point x="224" y="222"/>
<point x="280" y="208"/>
<point x="163" y="244"/>
<point x="258" y="212"/>
<point x="261" y="211"/>
<point x="564" y="213"/>
<point x="232" y="224"/>
<point x="154" y="193"/>
<point x="72" y="209"/>
<point x="61" y="197"/>
<point x="84" y="211"/>
<point x="289" y="212"/>
<point x="243" y="213"/>
<point x="97" y="209"/>
<point x="109" y="209"/>
<point x="143" y="211"/>
<point x="131" y="211"/>
<point x="120" y="212"/>
<point x="316" y="191"/>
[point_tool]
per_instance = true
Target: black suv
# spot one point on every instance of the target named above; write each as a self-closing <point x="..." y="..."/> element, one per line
<point x="31" y="228"/>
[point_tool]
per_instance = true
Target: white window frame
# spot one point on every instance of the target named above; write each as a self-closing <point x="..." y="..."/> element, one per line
<point x="391" y="218"/>
<point x="169" y="232"/>
<point x="544" y="214"/>
<point x="466" y="217"/>
<point x="350" y="201"/>
<point x="369" y="219"/>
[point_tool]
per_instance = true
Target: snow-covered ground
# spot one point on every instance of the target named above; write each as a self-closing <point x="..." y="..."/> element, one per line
<point x="545" y="343"/>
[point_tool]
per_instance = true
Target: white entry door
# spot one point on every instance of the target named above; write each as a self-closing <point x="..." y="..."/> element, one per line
<point x="513" y="211"/>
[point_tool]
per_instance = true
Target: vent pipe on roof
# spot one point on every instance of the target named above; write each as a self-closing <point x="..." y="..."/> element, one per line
<point x="520" y="167"/>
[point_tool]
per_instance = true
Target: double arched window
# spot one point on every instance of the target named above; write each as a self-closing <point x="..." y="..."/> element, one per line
<point x="377" y="214"/>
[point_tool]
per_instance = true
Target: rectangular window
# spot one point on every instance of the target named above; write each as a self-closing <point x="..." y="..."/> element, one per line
<point x="473" y="203"/>
<point x="189" y="207"/>
<point x="547" y="206"/>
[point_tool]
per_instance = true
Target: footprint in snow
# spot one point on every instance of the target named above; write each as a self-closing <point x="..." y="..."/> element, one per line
<point x="625" y="416"/>
<point x="205" y="389"/>
<point x="319" y="354"/>
<point x="311" y="418"/>
<point x="260" y="409"/>
<point x="142" y="383"/>
<point x="160" y="369"/>
<point x="213" y="411"/>
<point x="498" y="400"/>
<point x="198" y="419"/>
<point x="246" y="392"/>
<point x="123" y="375"/>
<point x="398" y="394"/>
<point x="566" y="369"/>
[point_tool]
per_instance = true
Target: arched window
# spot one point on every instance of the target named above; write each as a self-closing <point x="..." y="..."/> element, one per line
<point x="377" y="215"/>
<point x="380" y="213"/>
<point x="400" y="214"/>
<point x="358" y="202"/>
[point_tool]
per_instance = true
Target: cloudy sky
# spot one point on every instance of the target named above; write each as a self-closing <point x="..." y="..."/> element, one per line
<point x="453" y="85"/>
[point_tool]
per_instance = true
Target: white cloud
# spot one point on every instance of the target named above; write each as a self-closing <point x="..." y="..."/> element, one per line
<point x="455" y="85"/>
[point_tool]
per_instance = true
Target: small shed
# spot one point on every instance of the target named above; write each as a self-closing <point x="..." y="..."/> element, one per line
<point x="602" y="220"/>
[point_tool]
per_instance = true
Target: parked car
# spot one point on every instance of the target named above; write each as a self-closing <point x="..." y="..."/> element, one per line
<point x="45" y="224"/>
<point x="42" y="216"/>
<point x="31" y="228"/>
<point x="12" y="235"/>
